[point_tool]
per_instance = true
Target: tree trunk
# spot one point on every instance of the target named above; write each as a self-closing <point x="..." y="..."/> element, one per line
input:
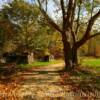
<point x="67" y="52"/>
<point x="70" y="54"/>
<point x="74" y="56"/>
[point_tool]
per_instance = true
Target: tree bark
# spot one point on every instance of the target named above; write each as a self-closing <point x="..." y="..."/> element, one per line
<point x="67" y="51"/>
<point x="70" y="54"/>
<point x="74" y="56"/>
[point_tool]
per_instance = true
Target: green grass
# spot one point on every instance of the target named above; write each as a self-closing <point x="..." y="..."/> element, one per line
<point x="93" y="63"/>
<point x="40" y="63"/>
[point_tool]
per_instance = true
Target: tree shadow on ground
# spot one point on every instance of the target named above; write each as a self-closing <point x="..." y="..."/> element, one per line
<point x="40" y="77"/>
<point x="83" y="80"/>
<point x="31" y="76"/>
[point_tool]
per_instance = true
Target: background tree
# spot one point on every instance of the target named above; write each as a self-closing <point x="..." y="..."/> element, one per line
<point x="24" y="18"/>
<point x="6" y="30"/>
<point x="30" y="33"/>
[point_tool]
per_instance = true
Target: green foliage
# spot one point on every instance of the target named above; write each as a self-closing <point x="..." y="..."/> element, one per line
<point x="28" y="31"/>
<point x="29" y="35"/>
<point x="25" y="17"/>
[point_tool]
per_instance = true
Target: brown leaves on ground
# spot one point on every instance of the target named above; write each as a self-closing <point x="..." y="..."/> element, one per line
<point x="82" y="81"/>
<point x="9" y="87"/>
<point x="80" y="84"/>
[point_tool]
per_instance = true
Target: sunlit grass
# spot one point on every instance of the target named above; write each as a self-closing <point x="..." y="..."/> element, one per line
<point x="40" y="63"/>
<point x="93" y="63"/>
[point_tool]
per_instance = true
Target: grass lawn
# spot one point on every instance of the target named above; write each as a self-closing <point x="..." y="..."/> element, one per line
<point x="40" y="63"/>
<point x="93" y="63"/>
<point x="88" y="62"/>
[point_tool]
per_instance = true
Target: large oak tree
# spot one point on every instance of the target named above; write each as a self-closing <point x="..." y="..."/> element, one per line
<point x="72" y="14"/>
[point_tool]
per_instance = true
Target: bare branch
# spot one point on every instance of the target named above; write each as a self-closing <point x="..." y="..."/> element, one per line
<point x="94" y="35"/>
<point x="78" y="18"/>
<point x="72" y="20"/>
<point x="73" y="13"/>
<point x="63" y="12"/>
<point x="88" y="30"/>
<point x="92" y="8"/>
<point x="73" y="36"/>
<point x="69" y="11"/>
<point x="49" y="20"/>
<point x="46" y="5"/>
<point x="91" y="22"/>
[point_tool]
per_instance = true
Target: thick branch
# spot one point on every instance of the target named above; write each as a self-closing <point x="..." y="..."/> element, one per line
<point x="69" y="11"/>
<point x="46" y="5"/>
<point x="49" y="20"/>
<point x="63" y="12"/>
<point x="73" y="13"/>
<point x="88" y="30"/>
<point x="78" y="18"/>
<point x="92" y="8"/>
<point x="90" y="37"/>
<point x="94" y="35"/>
<point x="72" y="20"/>
<point x="91" y="22"/>
<point x="73" y="36"/>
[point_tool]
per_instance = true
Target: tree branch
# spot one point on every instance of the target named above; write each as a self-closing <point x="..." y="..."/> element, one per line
<point x="49" y="20"/>
<point x="88" y="30"/>
<point x="78" y="18"/>
<point x="94" y="35"/>
<point x="91" y="23"/>
<point x="69" y="11"/>
<point x="63" y="12"/>
<point x="72" y="20"/>
<point x="73" y="12"/>
<point x="46" y="5"/>
<point x="92" y="8"/>
<point x="73" y="36"/>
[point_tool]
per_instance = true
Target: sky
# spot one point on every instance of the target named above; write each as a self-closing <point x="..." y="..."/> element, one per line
<point x="2" y="2"/>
